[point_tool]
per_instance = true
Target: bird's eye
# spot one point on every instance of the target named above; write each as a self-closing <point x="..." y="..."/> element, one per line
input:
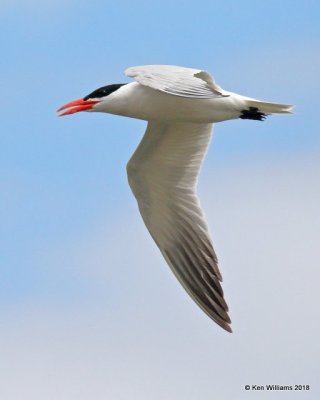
<point x="104" y="91"/>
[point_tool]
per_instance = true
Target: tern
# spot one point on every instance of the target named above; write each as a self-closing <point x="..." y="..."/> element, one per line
<point x="180" y="106"/>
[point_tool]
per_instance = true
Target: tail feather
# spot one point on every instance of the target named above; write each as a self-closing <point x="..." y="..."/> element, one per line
<point x="270" y="108"/>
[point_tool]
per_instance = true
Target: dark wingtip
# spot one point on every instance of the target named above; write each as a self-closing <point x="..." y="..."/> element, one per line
<point x="227" y="328"/>
<point x="224" y="322"/>
<point x="253" y="113"/>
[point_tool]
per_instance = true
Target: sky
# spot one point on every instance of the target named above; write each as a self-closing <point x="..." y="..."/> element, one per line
<point x="88" y="307"/>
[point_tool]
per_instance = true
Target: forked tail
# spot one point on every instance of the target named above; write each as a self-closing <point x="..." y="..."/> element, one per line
<point x="259" y="110"/>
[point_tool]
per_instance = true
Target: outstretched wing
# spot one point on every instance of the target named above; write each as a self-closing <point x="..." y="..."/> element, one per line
<point x="178" y="81"/>
<point x="162" y="174"/>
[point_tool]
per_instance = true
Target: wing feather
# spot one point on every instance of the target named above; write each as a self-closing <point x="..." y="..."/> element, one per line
<point x="178" y="81"/>
<point x="163" y="175"/>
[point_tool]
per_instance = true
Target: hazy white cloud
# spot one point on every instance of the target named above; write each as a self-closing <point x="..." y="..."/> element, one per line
<point x="140" y="336"/>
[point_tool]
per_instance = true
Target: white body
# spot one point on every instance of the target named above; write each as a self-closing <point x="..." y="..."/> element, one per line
<point x="180" y="105"/>
<point x="141" y="102"/>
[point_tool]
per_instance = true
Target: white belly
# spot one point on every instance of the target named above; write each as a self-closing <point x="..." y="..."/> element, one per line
<point x="137" y="101"/>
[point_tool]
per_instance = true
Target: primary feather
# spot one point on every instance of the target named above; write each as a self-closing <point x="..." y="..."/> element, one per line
<point x="163" y="174"/>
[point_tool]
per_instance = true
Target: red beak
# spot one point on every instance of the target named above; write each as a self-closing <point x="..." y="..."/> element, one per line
<point x="76" y="106"/>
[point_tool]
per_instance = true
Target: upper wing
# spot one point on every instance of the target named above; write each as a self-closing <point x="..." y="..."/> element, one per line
<point x="163" y="175"/>
<point x="179" y="81"/>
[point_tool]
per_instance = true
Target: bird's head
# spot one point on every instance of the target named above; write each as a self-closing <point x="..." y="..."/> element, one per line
<point x="89" y="102"/>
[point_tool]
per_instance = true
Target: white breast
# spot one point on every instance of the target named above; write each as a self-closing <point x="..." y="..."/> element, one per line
<point x="137" y="101"/>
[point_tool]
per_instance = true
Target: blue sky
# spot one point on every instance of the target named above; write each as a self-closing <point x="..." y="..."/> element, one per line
<point x="88" y="307"/>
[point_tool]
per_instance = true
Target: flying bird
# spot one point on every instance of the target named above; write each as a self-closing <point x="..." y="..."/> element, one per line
<point x="181" y="105"/>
